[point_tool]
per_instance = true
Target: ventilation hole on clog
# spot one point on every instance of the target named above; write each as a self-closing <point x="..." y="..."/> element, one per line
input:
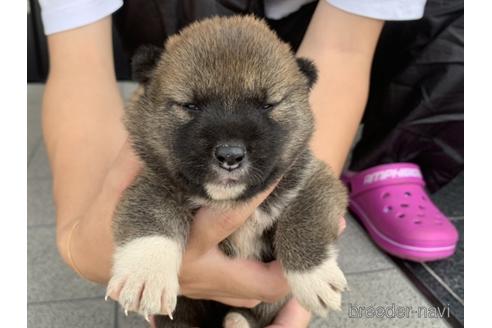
<point x="438" y="222"/>
<point x="407" y="193"/>
<point x="400" y="215"/>
<point x="385" y="195"/>
<point x="421" y="215"/>
<point x="387" y="209"/>
<point x="424" y="198"/>
<point x="404" y="205"/>
<point x="421" y="207"/>
<point x="417" y="222"/>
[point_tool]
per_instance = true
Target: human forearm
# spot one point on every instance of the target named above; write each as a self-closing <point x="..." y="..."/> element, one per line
<point x="338" y="102"/>
<point x="82" y="125"/>
<point x="83" y="133"/>
<point x="342" y="47"/>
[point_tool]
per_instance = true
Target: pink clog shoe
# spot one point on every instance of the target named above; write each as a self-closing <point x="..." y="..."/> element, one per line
<point x="392" y="204"/>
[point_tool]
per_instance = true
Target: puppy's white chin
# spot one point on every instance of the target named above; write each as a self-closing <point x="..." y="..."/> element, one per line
<point x="224" y="191"/>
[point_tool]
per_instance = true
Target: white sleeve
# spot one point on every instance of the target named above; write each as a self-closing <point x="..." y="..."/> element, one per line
<point x="391" y="10"/>
<point x="61" y="15"/>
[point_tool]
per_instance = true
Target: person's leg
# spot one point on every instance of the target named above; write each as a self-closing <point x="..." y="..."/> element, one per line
<point x="415" y="108"/>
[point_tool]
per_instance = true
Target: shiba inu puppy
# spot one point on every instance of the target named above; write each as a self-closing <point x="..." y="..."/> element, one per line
<point x="222" y="114"/>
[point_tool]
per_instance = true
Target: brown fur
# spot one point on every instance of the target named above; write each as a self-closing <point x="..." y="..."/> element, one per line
<point x="224" y="61"/>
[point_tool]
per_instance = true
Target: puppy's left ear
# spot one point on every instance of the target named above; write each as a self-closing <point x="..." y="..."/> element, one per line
<point x="144" y="61"/>
<point x="306" y="66"/>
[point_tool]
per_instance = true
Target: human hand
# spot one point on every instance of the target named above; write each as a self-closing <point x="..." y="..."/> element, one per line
<point x="206" y="273"/>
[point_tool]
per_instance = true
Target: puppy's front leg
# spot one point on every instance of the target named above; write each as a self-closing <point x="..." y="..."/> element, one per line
<point x="304" y="243"/>
<point x="145" y="271"/>
<point x="150" y="231"/>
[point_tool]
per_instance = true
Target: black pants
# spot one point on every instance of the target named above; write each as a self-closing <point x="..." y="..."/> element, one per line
<point x="415" y="107"/>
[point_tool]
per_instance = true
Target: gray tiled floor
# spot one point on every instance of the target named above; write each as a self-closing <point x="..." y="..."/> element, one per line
<point x="48" y="278"/>
<point x="58" y="298"/>
<point x="74" y="314"/>
<point x="40" y="210"/>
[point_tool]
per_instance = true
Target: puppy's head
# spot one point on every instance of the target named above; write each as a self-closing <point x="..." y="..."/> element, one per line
<point x="224" y="107"/>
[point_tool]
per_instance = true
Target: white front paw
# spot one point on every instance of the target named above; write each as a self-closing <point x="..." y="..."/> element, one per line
<point x="319" y="289"/>
<point x="145" y="272"/>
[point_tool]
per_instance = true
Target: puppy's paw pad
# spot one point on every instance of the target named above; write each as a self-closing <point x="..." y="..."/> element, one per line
<point x="235" y="320"/>
<point x="319" y="289"/>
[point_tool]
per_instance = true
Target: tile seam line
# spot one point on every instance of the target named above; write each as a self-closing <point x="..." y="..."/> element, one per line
<point x="67" y="300"/>
<point x="370" y="271"/>
<point x="41" y="225"/>
<point x="34" y="151"/>
<point x="433" y="274"/>
<point x="115" y="315"/>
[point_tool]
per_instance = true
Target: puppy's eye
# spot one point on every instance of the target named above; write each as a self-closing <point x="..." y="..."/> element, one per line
<point x="192" y="107"/>
<point x="267" y="106"/>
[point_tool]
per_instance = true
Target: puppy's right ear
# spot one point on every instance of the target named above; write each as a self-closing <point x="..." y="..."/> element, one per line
<point x="144" y="61"/>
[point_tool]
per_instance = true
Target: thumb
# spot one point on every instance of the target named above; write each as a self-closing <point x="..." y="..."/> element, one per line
<point x="211" y="225"/>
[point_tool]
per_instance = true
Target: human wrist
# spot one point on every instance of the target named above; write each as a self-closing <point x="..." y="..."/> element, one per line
<point x="92" y="248"/>
<point x="85" y="247"/>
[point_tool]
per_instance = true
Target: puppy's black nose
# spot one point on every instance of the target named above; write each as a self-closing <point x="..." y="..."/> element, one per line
<point x="229" y="156"/>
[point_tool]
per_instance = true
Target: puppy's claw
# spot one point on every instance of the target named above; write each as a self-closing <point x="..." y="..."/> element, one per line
<point x="126" y="312"/>
<point x="169" y="307"/>
<point x="147" y="318"/>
